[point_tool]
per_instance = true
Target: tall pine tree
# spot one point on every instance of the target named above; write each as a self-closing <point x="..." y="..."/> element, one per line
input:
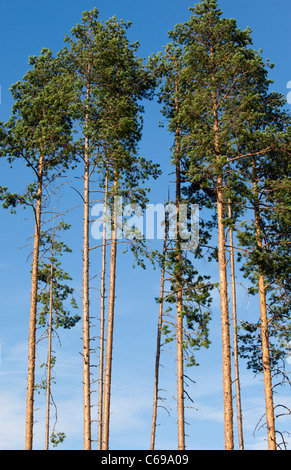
<point x="38" y="133"/>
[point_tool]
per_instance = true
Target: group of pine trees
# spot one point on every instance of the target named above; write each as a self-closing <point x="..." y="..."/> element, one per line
<point x="82" y="111"/>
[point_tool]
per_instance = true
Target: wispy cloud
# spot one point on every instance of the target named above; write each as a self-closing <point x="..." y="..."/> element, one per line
<point x="12" y="411"/>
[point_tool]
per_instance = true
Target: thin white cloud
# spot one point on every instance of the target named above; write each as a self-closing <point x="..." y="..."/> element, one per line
<point x="12" y="423"/>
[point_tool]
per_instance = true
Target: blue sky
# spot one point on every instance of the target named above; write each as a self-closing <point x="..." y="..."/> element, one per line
<point x="26" y="26"/>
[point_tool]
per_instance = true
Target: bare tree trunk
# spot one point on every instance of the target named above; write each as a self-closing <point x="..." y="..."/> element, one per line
<point x="49" y="355"/>
<point x="102" y="321"/>
<point x="86" y="317"/>
<point x="158" y="351"/>
<point x="33" y="313"/>
<point x="180" y="356"/>
<point x="110" y="327"/>
<point x="180" y="374"/>
<point x="269" y="401"/>
<point x="235" y="340"/>
<point x="226" y="353"/>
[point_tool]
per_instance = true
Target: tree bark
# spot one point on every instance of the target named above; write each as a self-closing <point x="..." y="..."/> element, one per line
<point x="33" y="313"/>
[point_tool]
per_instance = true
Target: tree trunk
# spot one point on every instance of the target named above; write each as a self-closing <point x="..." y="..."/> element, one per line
<point x="49" y="356"/>
<point x="110" y="327"/>
<point x="86" y="317"/>
<point x="33" y="314"/>
<point x="225" y="333"/>
<point x="235" y="340"/>
<point x="180" y="374"/>
<point x="180" y="356"/>
<point x="102" y="322"/>
<point x="158" y="352"/>
<point x="270" y="418"/>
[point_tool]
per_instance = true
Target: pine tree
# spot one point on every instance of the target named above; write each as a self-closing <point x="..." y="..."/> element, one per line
<point x="127" y="83"/>
<point x="85" y="61"/>
<point x="268" y="144"/>
<point x="111" y="83"/>
<point x="215" y="110"/>
<point x="39" y="133"/>
<point x="189" y="290"/>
